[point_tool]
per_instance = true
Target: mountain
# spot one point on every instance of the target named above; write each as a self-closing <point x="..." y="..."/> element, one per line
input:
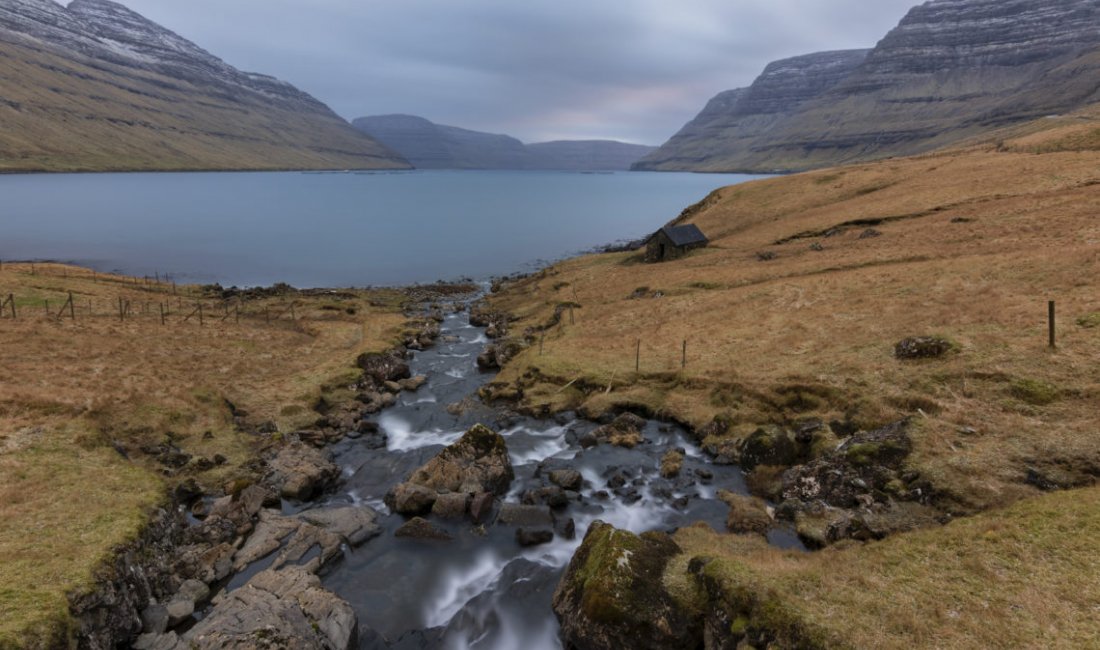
<point x="588" y="155"/>
<point x="435" y="146"/>
<point x="952" y="69"/>
<point x="95" y="86"/>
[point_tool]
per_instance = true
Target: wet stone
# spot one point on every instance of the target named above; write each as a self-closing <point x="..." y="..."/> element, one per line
<point x="529" y="537"/>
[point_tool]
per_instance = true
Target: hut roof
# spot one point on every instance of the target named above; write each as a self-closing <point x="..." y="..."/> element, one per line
<point x="685" y="235"/>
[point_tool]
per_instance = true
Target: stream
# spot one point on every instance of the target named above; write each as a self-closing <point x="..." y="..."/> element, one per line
<point x="482" y="589"/>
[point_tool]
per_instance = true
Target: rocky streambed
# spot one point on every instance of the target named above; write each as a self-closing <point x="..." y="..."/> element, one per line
<point x="436" y="521"/>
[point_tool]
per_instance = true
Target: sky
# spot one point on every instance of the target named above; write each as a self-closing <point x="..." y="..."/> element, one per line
<point x="631" y="70"/>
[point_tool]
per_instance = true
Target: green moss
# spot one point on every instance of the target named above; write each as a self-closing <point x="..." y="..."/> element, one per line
<point x="739" y="626"/>
<point x="1034" y="392"/>
<point x="1090" y="321"/>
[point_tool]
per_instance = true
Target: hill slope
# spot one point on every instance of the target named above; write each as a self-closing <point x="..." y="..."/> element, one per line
<point x="790" y="320"/>
<point x="950" y="70"/>
<point x="435" y="146"/>
<point x="97" y="87"/>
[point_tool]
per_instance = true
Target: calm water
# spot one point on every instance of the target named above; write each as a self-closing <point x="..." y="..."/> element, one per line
<point x="333" y="229"/>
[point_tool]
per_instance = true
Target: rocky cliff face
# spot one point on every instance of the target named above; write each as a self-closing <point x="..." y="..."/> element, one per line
<point x="434" y="146"/>
<point x="952" y="69"/>
<point x="95" y="86"/>
<point x="730" y="124"/>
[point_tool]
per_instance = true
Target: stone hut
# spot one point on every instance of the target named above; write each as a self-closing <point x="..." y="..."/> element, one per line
<point x="673" y="242"/>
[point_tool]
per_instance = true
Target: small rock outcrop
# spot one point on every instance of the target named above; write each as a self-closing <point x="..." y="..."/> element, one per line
<point x="276" y="609"/>
<point x="923" y="347"/>
<point x="300" y="472"/>
<point x="477" y="463"/>
<point x="612" y="595"/>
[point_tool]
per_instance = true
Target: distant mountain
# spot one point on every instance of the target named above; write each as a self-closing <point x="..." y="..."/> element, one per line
<point x="435" y="146"/>
<point x="95" y="87"/>
<point x="952" y="69"/>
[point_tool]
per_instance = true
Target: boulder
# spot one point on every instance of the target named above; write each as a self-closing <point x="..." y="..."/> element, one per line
<point x="567" y="479"/>
<point x="354" y="524"/>
<point x="277" y="609"/>
<point x="514" y="514"/>
<point x="478" y="462"/>
<point x="194" y="590"/>
<point x="154" y="619"/>
<point x="419" y="528"/>
<point x="300" y="472"/>
<point x="613" y="595"/>
<point x="179" y="610"/>
<point x="450" y="506"/>
<point x="383" y="367"/>
<point x="747" y="514"/>
<point x="923" y="347"/>
<point x="413" y="383"/>
<point x="481" y="507"/>
<point x="769" y="445"/>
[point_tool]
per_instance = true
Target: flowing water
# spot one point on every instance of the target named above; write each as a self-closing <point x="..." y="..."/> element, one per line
<point x="482" y="590"/>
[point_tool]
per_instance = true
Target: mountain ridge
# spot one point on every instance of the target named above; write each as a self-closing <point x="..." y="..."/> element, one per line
<point x="950" y="70"/>
<point x="437" y="146"/>
<point x="97" y="87"/>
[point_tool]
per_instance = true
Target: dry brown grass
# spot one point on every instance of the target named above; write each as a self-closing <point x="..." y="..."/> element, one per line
<point x="973" y="244"/>
<point x="72" y="390"/>
<point x="1024" y="577"/>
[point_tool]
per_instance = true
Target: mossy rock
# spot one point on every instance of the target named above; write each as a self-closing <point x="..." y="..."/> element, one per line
<point x="612" y="594"/>
<point x="770" y="445"/>
<point x="1034" y="392"/>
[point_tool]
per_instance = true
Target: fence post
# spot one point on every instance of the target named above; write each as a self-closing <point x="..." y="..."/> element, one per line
<point x="47" y="308"/>
<point x="1051" y="324"/>
<point x="571" y="321"/>
<point x="684" y="357"/>
<point x="161" y="305"/>
<point x="200" y="314"/>
<point x="11" y="299"/>
<point x="638" y="357"/>
<point x="121" y="313"/>
<point x="72" y="307"/>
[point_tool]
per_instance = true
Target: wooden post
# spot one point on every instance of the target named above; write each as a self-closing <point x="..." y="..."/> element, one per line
<point x="684" y="357"/>
<point x="90" y="307"/>
<point x="200" y="314"/>
<point x="1051" y="325"/>
<point x="292" y="315"/>
<point x="173" y="286"/>
<point x="121" y="312"/>
<point x="47" y="308"/>
<point x="161" y="312"/>
<point x="11" y="299"/>
<point x="72" y="307"/>
<point x="571" y="321"/>
<point x="638" y="357"/>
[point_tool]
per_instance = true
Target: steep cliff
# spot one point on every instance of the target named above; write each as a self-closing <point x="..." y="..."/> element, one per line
<point x="950" y="70"/>
<point x="95" y="86"/>
<point x="435" y="146"/>
<point x="734" y="122"/>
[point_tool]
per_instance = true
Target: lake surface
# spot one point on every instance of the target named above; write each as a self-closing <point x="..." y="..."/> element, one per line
<point x="334" y="229"/>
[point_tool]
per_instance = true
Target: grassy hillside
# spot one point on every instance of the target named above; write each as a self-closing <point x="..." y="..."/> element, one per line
<point x="793" y="313"/>
<point x="63" y="112"/>
<point x="78" y="394"/>
<point x="972" y="244"/>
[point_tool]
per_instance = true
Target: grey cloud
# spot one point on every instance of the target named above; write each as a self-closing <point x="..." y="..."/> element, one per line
<point x="634" y="70"/>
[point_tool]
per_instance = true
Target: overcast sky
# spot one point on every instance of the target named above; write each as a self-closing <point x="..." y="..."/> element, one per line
<point x="633" y="70"/>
